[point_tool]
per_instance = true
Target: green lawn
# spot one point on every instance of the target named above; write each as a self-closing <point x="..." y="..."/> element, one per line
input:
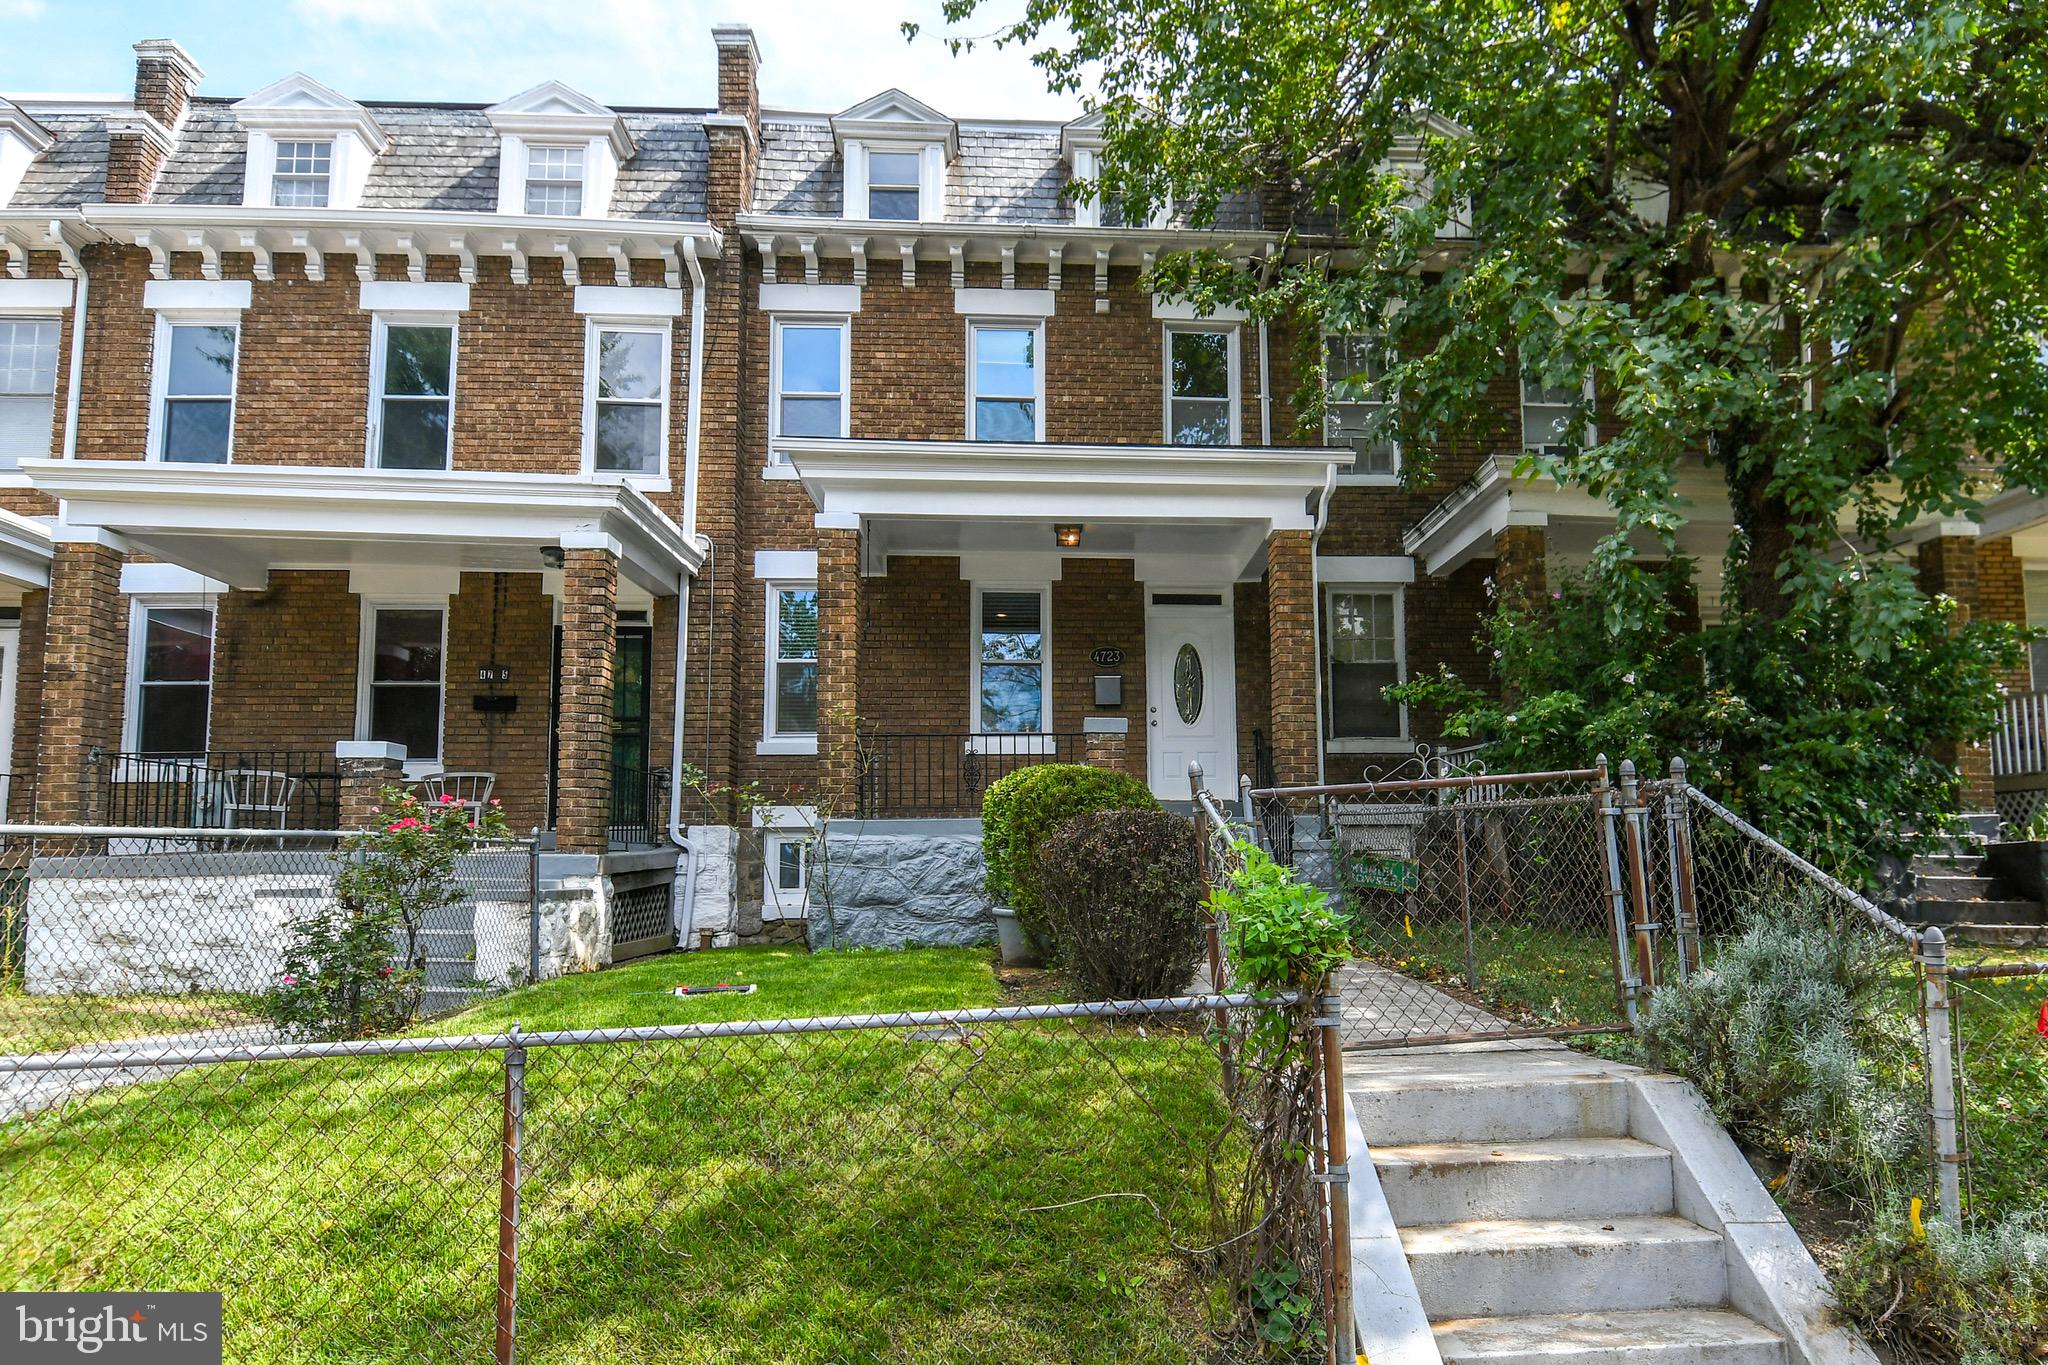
<point x="816" y="1198"/>
<point x="51" y="1023"/>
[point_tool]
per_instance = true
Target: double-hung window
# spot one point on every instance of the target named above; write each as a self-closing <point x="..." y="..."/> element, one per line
<point x="554" y="181"/>
<point x="171" y="672"/>
<point x="403" y="677"/>
<point x="1012" y="677"/>
<point x="1547" y="412"/>
<point x="1365" y="638"/>
<point x="195" y="390"/>
<point x="792" y="701"/>
<point x="1006" y="382"/>
<point x="302" y="175"/>
<point x="1201" y="387"/>
<point x="626" y="398"/>
<point x="28" y="388"/>
<point x="810" y="367"/>
<point x="1358" y="410"/>
<point x="894" y="181"/>
<point x="413" y="406"/>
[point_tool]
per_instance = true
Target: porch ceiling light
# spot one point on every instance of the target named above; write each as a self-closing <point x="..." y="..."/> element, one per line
<point x="1067" y="537"/>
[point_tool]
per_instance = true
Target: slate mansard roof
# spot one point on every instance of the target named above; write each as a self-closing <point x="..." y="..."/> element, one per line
<point x="73" y="170"/>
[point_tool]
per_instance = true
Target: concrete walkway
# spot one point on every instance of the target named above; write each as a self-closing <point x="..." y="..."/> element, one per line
<point x="120" y="1062"/>
<point x="1382" y="1006"/>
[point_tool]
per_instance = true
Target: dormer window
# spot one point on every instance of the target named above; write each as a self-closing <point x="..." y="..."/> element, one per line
<point x="554" y="181"/>
<point x="893" y="186"/>
<point x="895" y="151"/>
<point x="22" y="140"/>
<point x="559" y="153"/>
<point x="302" y="175"/>
<point x="309" y="147"/>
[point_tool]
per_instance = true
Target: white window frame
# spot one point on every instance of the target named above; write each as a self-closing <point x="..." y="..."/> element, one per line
<point x="778" y="461"/>
<point x="1010" y="324"/>
<point x="1355" y="476"/>
<point x="593" y="328"/>
<point x="782" y="826"/>
<point x="279" y="176"/>
<point x="139" y="607"/>
<point x="771" y="742"/>
<point x="529" y="180"/>
<point x="381" y="324"/>
<point x="859" y="179"/>
<point x="7" y="471"/>
<point x="1236" y="380"/>
<point x="160" y="375"/>
<point x="1592" y="433"/>
<point x="366" y="665"/>
<point x="1364" y="744"/>
<point x="1039" y="741"/>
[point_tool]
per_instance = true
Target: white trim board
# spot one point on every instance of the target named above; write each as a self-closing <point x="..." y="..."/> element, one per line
<point x="198" y="296"/>
<point x="628" y="301"/>
<point x="810" y="298"/>
<point x="770" y="564"/>
<point x="1005" y="303"/>
<point x="1365" y="569"/>
<point x="37" y="296"/>
<point x="405" y="296"/>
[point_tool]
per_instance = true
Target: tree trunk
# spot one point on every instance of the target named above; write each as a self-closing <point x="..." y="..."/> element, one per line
<point x="1771" y="530"/>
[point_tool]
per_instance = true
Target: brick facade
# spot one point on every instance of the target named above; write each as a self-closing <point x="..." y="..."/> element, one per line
<point x="590" y="587"/>
<point x="86" y="645"/>
<point x="1291" y="661"/>
<point x="839" y="668"/>
<point x="1948" y="564"/>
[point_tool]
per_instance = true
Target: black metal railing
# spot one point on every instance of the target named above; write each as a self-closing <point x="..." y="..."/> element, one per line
<point x="639" y="804"/>
<point x="946" y="775"/>
<point x="229" y="789"/>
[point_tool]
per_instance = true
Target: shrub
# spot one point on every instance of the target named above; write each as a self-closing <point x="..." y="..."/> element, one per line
<point x="1022" y="809"/>
<point x="1282" y="933"/>
<point x="1122" y="894"/>
<point x="357" y="968"/>
<point x="1797" y="1040"/>
<point x="1977" y="1295"/>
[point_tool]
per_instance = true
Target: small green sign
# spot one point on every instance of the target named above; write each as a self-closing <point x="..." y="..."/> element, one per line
<point x="1385" y="874"/>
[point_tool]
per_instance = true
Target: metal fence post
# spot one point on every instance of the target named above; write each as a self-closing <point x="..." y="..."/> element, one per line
<point x="1617" y="900"/>
<point x="1212" y="927"/>
<point x="506" y="1347"/>
<point x="533" y="908"/>
<point x="1244" y="801"/>
<point x="1678" y="828"/>
<point x="1941" y="1075"/>
<point x="1336" y="1174"/>
<point x="1465" y="903"/>
<point x="1635" y="819"/>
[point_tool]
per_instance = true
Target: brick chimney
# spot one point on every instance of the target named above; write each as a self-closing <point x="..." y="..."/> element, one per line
<point x="138" y="142"/>
<point x="735" y="130"/>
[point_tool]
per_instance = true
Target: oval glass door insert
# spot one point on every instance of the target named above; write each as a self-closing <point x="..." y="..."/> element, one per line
<point x="1187" y="684"/>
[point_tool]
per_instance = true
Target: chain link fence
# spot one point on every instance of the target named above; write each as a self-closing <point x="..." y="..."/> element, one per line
<point x="119" y="943"/>
<point x="1063" y="1182"/>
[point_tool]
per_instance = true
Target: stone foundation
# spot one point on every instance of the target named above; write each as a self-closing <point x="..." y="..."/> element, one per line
<point x="899" y="884"/>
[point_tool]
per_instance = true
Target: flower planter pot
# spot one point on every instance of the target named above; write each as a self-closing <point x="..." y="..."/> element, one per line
<point x="1015" y="945"/>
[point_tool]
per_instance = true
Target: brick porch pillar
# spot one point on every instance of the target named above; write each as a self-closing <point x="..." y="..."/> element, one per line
<point x="1105" y="747"/>
<point x="1521" y="572"/>
<point x="839" y="615"/>
<point x="84" y="658"/>
<point x="590" y="593"/>
<point x="1291" y="655"/>
<point x="367" y="767"/>
<point x="1948" y="564"/>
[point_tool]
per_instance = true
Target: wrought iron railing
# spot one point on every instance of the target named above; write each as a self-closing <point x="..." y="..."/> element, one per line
<point x="2020" y="746"/>
<point x="229" y="789"/>
<point x="639" y="804"/>
<point x="946" y="775"/>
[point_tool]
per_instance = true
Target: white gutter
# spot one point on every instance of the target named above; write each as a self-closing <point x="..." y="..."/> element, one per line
<point x="72" y="385"/>
<point x="692" y="414"/>
<point x="1265" y="389"/>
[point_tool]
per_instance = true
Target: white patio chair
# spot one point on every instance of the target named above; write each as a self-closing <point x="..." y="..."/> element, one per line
<point x="471" y="790"/>
<point x="256" y="798"/>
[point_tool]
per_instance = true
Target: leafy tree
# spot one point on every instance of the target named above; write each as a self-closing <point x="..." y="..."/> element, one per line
<point x="1800" y="244"/>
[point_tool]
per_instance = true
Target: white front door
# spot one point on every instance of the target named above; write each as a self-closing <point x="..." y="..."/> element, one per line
<point x="1191" y="690"/>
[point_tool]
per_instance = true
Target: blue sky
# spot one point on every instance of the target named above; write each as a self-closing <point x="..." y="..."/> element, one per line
<point x="816" y="54"/>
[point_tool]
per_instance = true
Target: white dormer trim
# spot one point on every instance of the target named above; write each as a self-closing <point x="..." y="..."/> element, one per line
<point x="1081" y="149"/>
<point x="895" y="122"/>
<point x="22" y="140"/>
<point x="301" y="109"/>
<point x="553" y="114"/>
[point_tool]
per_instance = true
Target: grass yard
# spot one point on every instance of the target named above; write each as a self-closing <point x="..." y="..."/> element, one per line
<point x="51" y="1023"/>
<point x="1534" y="975"/>
<point x="836" y="1197"/>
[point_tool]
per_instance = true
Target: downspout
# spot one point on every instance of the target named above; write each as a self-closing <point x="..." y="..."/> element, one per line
<point x="73" y="384"/>
<point x="1265" y="389"/>
<point x="693" y="404"/>
<point x="1315" y="616"/>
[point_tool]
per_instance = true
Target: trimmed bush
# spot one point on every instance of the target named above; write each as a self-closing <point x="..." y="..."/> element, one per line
<point x="1021" y="810"/>
<point x="1122" y="894"/>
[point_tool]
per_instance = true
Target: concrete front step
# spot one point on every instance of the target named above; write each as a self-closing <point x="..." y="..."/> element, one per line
<point x="1676" y="1336"/>
<point x="1453" y="1182"/>
<point x="1484" y="1096"/>
<point x="1505" y="1267"/>
<point x="1998" y="935"/>
<point x="1947" y="864"/>
<point x="1954" y="886"/>
<point x="1935" y="910"/>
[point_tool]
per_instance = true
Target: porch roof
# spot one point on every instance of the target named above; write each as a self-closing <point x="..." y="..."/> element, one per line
<point x="236" y="523"/>
<point x="1200" y="509"/>
<point x="24" y="550"/>
<point x="1461" y="528"/>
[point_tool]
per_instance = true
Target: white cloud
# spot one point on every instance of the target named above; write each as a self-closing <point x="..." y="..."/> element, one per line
<point x="22" y="9"/>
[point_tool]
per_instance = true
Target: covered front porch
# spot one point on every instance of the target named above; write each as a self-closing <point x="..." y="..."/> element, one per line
<point x="507" y="638"/>
<point x="981" y="608"/>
